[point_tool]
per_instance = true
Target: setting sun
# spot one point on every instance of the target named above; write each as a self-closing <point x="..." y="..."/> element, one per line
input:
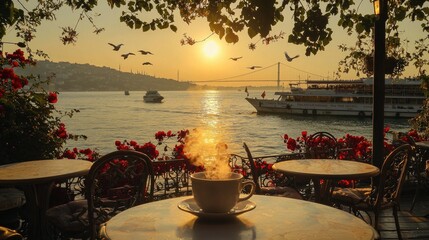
<point x="211" y="49"/>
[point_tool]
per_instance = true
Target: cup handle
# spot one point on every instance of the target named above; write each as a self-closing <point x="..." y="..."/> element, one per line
<point x="252" y="190"/>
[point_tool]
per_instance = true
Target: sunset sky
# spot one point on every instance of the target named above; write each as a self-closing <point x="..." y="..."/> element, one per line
<point x="205" y="61"/>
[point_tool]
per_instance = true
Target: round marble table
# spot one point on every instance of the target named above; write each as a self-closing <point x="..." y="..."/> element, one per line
<point x="327" y="170"/>
<point x="37" y="178"/>
<point x="423" y="144"/>
<point x="273" y="218"/>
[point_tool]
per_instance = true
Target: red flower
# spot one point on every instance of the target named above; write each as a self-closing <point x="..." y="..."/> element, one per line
<point x="69" y="154"/>
<point x="133" y="143"/>
<point x="178" y="152"/>
<point x="181" y="135"/>
<point x="87" y="151"/>
<point x="304" y="134"/>
<point x="160" y="136"/>
<point x="16" y="84"/>
<point x="123" y="147"/>
<point x="291" y="144"/>
<point x="285" y="137"/>
<point x="117" y="143"/>
<point x="170" y="134"/>
<point x="387" y="129"/>
<point x="61" y="131"/>
<point x="52" y="97"/>
<point x="149" y="149"/>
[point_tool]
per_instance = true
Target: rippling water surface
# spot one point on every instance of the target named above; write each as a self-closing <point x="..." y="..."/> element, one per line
<point x="108" y="116"/>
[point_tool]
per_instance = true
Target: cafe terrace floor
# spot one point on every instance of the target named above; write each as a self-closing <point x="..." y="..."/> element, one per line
<point x="414" y="225"/>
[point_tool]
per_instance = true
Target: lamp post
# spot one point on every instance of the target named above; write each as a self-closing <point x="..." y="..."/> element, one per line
<point x="380" y="10"/>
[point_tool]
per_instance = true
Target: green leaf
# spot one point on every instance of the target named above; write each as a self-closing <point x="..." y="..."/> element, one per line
<point x="130" y="24"/>
<point x="146" y="27"/>
<point x="230" y="36"/>
<point x="252" y="33"/>
<point x="138" y="24"/>
<point x="400" y="13"/>
<point x="221" y="32"/>
<point x="360" y="28"/>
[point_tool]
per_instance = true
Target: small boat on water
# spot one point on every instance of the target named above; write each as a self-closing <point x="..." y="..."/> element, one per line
<point x="403" y="98"/>
<point x="152" y="96"/>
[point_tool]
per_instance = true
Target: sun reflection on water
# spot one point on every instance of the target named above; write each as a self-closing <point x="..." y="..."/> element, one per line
<point x="211" y="108"/>
<point x="206" y="145"/>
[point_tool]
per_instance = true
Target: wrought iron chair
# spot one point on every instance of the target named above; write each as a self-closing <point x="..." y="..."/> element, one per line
<point x="383" y="195"/>
<point x="117" y="181"/>
<point x="416" y="171"/>
<point x="321" y="145"/>
<point x="264" y="190"/>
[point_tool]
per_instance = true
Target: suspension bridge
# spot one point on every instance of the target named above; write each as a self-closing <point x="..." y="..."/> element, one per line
<point x="241" y="77"/>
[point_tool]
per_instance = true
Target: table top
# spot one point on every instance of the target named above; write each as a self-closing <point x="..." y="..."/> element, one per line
<point x="43" y="170"/>
<point x="423" y="144"/>
<point x="273" y="218"/>
<point x="327" y="168"/>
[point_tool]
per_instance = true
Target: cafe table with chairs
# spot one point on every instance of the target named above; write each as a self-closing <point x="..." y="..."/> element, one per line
<point x="260" y="217"/>
<point x="36" y="178"/>
<point x="323" y="172"/>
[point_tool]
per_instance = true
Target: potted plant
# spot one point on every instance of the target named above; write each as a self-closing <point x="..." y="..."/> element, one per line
<point x="392" y="64"/>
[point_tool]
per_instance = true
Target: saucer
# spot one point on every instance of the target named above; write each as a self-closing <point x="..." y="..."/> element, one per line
<point x="190" y="206"/>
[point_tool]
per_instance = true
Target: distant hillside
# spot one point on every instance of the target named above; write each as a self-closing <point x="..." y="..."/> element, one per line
<point x="85" y="77"/>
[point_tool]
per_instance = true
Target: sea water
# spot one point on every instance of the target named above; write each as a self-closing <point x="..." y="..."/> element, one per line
<point x="105" y="117"/>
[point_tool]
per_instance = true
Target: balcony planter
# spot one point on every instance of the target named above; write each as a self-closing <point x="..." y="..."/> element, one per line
<point x="391" y="64"/>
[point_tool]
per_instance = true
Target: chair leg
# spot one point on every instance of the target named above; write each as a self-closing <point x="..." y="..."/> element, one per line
<point x="398" y="228"/>
<point x="414" y="199"/>
<point x="416" y="194"/>
<point x="375" y="220"/>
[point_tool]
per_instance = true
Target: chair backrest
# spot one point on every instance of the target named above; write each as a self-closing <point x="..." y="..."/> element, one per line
<point x="254" y="171"/>
<point x="117" y="181"/>
<point x="321" y="145"/>
<point x="392" y="176"/>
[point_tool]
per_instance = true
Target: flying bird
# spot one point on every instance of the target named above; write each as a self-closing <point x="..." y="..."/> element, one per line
<point x="145" y="52"/>
<point x="235" y="58"/>
<point x="116" y="47"/>
<point x="147" y="63"/>
<point x="253" y="67"/>
<point x="125" y="55"/>
<point x="289" y="59"/>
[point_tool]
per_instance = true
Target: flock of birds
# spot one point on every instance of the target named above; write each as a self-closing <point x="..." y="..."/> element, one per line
<point x="288" y="58"/>
<point x="116" y="47"/>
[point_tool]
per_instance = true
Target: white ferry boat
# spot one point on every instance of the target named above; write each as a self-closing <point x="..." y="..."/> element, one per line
<point x="152" y="96"/>
<point x="403" y="98"/>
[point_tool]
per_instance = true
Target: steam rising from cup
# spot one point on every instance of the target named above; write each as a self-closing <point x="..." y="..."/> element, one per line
<point x="206" y="148"/>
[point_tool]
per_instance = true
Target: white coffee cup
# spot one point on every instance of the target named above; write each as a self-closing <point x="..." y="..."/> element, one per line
<point x="219" y="195"/>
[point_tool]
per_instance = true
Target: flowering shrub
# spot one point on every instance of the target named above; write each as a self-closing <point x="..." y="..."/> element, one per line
<point x="151" y="150"/>
<point x="87" y="154"/>
<point x="357" y="148"/>
<point x="30" y="126"/>
<point x="167" y="153"/>
<point x="350" y="147"/>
